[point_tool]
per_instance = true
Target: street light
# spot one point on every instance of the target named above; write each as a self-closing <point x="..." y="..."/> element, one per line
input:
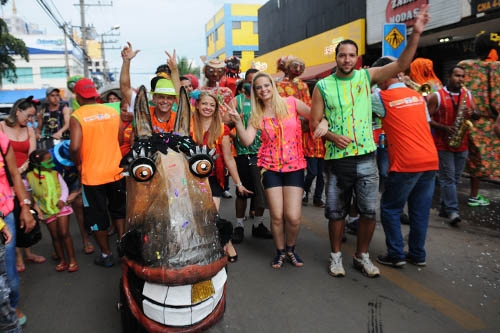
<point x="105" y="67"/>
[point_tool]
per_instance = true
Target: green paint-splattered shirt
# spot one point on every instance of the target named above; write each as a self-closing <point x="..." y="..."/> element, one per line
<point x="348" y="110"/>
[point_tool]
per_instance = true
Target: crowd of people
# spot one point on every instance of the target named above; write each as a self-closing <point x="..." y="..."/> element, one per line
<point x="274" y="138"/>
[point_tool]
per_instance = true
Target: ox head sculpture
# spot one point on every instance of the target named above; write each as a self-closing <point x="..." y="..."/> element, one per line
<point x="173" y="275"/>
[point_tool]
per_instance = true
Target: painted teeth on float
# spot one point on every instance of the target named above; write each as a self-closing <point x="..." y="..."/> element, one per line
<point x="173" y="265"/>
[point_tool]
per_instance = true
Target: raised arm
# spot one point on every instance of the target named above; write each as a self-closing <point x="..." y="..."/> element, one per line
<point x="379" y="74"/>
<point x="128" y="54"/>
<point x="246" y="135"/>
<point x="174" y="75"/>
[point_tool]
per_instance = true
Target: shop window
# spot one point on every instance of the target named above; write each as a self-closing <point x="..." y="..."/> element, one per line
<point x="255" y="28"/>
<point x="24" y="75"/>
<point x="53" y="72"/>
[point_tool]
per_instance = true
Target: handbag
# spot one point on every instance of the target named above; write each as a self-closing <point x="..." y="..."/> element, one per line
<point x="24" y="239"/>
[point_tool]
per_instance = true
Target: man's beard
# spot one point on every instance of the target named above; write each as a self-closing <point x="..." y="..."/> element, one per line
<point x="345" y="72"/>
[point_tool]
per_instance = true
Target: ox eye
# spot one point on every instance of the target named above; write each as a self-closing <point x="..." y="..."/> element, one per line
<point x="201" y="166"/>
<point x="143" y="169"/>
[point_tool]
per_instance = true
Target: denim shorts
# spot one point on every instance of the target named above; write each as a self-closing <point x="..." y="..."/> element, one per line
<point x="347" y="176"/>
<point x="280" y="179"/>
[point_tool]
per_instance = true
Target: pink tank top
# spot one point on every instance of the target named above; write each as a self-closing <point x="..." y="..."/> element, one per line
<point x="281" y="148"/>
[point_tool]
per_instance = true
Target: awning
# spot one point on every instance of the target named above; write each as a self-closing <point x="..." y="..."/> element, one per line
<point x="11" y="96"/>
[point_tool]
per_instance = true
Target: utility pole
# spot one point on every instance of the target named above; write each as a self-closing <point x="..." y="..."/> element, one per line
<point x="66" y="58"/>
<point x="84" y="39"/>
<point x="104" y="64"/>
<point x="86" y="59"/>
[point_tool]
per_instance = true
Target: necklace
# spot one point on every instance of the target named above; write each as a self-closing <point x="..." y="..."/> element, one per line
<point x="162" y="121"/>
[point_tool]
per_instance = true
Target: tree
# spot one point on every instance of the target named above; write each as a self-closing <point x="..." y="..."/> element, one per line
<point x="10" y="46"/>
<point x="185" y="67"/>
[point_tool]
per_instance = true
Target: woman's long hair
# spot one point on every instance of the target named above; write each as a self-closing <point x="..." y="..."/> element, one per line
<point x="21" y="104"/>
<point x="279" y="104"/>
<point x="215" y="128"/>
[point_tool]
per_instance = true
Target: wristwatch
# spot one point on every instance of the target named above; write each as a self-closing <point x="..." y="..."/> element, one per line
<point x="25" y="202"/>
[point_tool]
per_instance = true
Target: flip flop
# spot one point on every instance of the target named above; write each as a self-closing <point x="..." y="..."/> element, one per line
<point x="36" y="259"/>
<point x="20" y="267"/>
<point x="61" y="267"/>
<point x="88" y="248"/>
<point x="73" y="268"/>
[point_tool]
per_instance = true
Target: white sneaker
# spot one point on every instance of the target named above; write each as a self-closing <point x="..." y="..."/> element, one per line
<point x="365" y="265"/>
<point x="336" y="269"/>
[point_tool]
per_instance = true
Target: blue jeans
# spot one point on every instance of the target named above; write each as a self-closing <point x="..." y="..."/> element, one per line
<point x="8" y="316"/>
<point x="314" y="170"/>
<point x="451" y="166"/>
<point x="417" y="188"/>
<point x="10" y="262"/>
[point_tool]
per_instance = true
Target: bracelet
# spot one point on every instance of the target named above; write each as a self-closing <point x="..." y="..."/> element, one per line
<point x="239" y="184"/>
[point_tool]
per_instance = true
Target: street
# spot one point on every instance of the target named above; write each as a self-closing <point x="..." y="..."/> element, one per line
<point x="458" y="290"/>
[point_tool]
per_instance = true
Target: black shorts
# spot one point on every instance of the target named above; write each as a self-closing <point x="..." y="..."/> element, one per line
<point x="215" y="187"/>
<point x="280" y="179"/>
<point x="98" y="200"/>
<point x="250" y="178"/>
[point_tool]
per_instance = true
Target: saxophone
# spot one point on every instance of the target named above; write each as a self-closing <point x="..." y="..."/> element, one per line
<point x="461" y="124"/>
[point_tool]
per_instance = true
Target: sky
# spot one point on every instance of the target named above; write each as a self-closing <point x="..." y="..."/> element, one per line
<point x="152" y="26"/>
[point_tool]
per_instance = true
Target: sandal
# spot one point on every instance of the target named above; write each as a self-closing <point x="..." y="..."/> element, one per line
<point x="62" y="266"/>
<point x="20" y="267"/>
<point x="279" y="259"/>
<point x="36" y="259"/>
<point x="73" y="268"/>
<point x="88" y="248"/>
<point x="294" y="257"/>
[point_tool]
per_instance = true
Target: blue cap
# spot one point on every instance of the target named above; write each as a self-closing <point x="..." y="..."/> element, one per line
<point x="61" y="153"/>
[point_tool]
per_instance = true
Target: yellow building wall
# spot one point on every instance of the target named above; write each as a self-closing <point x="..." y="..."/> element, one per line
<point x="245" y="35"/>
<point x="244" y="10"/>
<point x="210" y="44"/>
<point x="221" y="38"/>
<point x="219" y="16"/>
<point x="246" y="60"/>
<point x="94" y="49"/>
<point x="316" y="50"/>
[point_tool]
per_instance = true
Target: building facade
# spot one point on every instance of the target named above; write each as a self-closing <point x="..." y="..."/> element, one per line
<point x="233" y="31"/>
<point x="311" y="30"/>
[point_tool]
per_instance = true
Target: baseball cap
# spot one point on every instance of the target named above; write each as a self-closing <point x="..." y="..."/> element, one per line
<point x="165" y="87"/>
<point x="50" y="90"/>
<point x="86" y="88"/>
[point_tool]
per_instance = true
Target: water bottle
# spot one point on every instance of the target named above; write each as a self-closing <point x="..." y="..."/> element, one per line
<point x="381" y="140"/>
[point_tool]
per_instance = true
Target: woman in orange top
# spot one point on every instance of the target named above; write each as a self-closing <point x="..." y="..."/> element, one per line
<point x="207" y="129"/>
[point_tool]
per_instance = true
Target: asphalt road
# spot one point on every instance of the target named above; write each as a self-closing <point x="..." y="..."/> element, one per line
<point x="458" y="291"/>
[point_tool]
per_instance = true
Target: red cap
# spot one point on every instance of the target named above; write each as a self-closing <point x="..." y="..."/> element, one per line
<point x="86" y="88"/>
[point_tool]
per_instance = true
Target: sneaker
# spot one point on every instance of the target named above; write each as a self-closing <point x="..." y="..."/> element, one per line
<point x="305" y="198"/>
<point x="261" y="231"/>
<point x="238" y="235"/>
<point x="390" y="261"/>
<point x="21" y="317"/>
<point x="336" y="269"/>
<point x="454" y="218"/>
<point x="478" y="201"/>
<point x="412" y="261"/>
<point x="319" y="203"/>
<point x="365" y="265"/>
<point x="104" y="262"/>
<point x="227" y="195"/>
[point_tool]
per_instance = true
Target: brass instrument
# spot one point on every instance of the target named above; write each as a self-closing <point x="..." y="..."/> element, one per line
<point x="423" y="89"/>
<point x="461" y="124"/>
